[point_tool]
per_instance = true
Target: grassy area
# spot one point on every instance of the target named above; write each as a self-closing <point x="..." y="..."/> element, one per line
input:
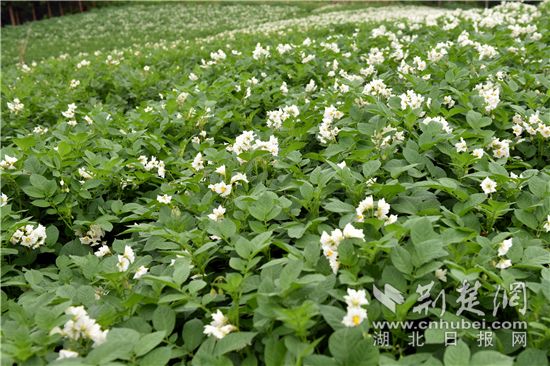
<point x="244" y="199"/>
<point x="121" y="26"/>
<point x="113" y="27"/>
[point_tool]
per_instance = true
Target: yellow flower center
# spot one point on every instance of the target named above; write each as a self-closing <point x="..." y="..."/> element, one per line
<point x="356" y="319"/>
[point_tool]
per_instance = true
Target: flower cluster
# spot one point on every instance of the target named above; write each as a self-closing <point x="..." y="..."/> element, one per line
<point x="330" y="243"/>
<point x="328" y="133"/>
<point x="8" y="162"/>
<point x="547" y="224"/>
<point x="3" y="199"/>
<point x="490" y="94"/>
<point x="29" y="236"/>
<point x="411" y="99"/>
<point x="102" y="251"/>
<point x="532" y="125"/>
<point x="503" y="249"/>
<point x="70" y="114"/>
<point x="440" y="121"/>
<point x="217" y="213"/>
<point x="488" y="185"/>
<point x="276" y="118"/>
<point x="355" y="299"/>
<point x="93" y="236"/>
<point x="224" y="189"/>
<point x="85" y="173"/>
<point x="67" y="353"/>
<point x="381" y="211"/>
<point x="81" y="326"/>
<point x="219" y="327"/>
<point x="501" y="148"/>
<point x="153" y="163"/>
<point x="127" y="258"/>
<point x="165" y="199"/>
<point x="16" y="106"/>
<point x="377" y="87"/>
<point x="248" y="141"/>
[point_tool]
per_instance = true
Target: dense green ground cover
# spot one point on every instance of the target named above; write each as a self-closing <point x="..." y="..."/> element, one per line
<point x="121" y="26"/>
<point x="237" y="200"/>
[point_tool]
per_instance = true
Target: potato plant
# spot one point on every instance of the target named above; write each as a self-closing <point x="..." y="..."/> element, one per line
<point x="306" y="194"/>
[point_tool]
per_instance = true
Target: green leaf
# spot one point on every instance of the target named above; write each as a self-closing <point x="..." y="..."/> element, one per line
<point x="539" y="186"/>
<point x="110" y="350"/>
<point x="52" y="234"/>
<point x="532" y="357"/>
<point x="335" y="205"/>
<point x="233" y="342"/>
<point x="458" y="355"/>
<point x="227" y="228"/>
<point x="526" y="218"/>
<point x="265" y="208"/>
<point x="34" y="192"/>
<point x="164" y="318"/>
<point x="192" y="334"/>
<point x="290" y="273"/>
<point x="491" y="358"/>
<point x="371" y="167"/>
<point x="422" y="230"/>
<point x="182" y="270"/>
<point x="306" y="190"/>
<point x="48" y="187"/>
<point x="333" y="316"/>
<point x="64" y="148"/>
<point x="535" y="256"/>
<point x="296" y="230"/>
<point x="349" y="348"/>
<point x="401" y="259"/>
<point x="157" y="357"/>
<point x="148" y="342"/>
<point x="34" y="277"/>
<point x="476" y="120"/>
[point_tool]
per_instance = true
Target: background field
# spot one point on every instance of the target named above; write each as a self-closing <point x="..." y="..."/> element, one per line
<point x="228" y="184"/>
<point x="125" y="25"/>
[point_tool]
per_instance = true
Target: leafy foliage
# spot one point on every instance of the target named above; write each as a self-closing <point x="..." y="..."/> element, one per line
<point x="186" y="205"/>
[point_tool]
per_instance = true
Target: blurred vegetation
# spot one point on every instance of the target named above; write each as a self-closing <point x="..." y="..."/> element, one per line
<point x="19" y="12"/>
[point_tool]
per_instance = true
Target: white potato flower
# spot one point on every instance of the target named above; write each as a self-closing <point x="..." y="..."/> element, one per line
<point x="221" y="188"/>
<point x="127" y="258"/>
<point x="441" y="274"/>
<point x="503" y="264"/>
<point x="351" y="232"/>
<point x="488" y="186"/>
<point x="29" y="236"/>
<point x="102" y="251"/>
<point x="8" y="162"/>
<point x="504" y="247"/>
<point x="16" y="106"/>
<point x="141" y="271"/>
<point x="217" y="213"/>
<point x="461" y="146"/>
<point x="166" y="199"/>
<point x="221" y="170"/>
<point x="478" y="153"/>
<point x="219" y="327"/>
<point x="67" y="353"/>
<point x="356" y="298"/>
<point x="354" y="316"/>
<point x="3" y="200"/>
<point x="239" y="177"/>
